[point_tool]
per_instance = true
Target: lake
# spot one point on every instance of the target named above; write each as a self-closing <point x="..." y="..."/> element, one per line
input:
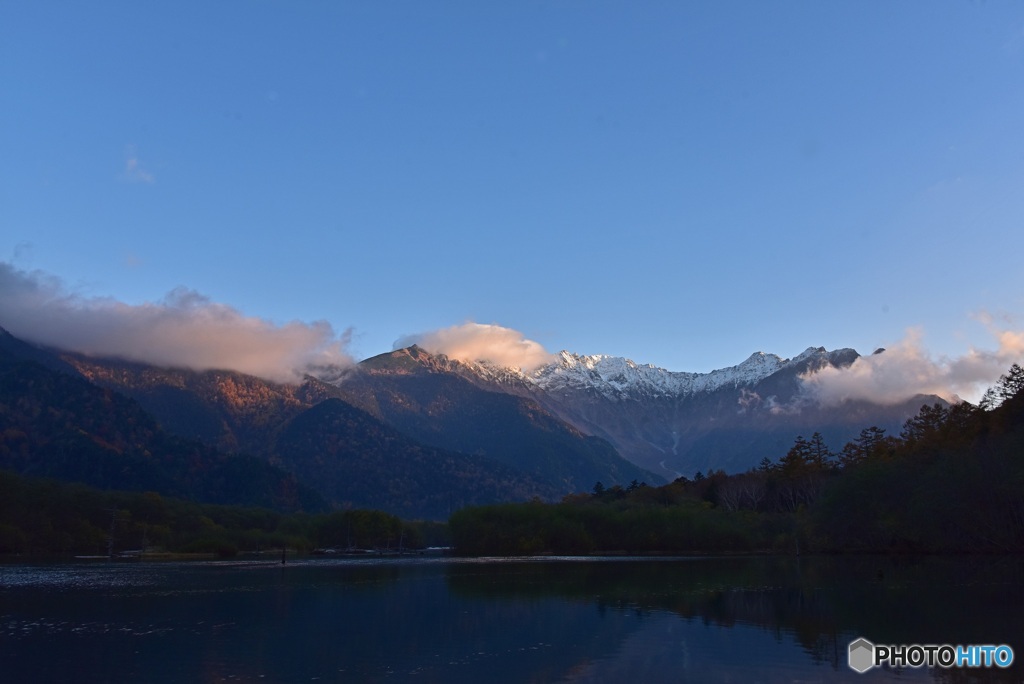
<point x="428" y="619"/>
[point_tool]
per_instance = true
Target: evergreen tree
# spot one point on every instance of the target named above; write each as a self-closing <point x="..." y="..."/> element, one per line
<point x="863" y="447"/>
<point x="927" y="423"/>
<point x="819" y="456"/>
<point x="797" y="459"/>
<point x="1010" y="385"/>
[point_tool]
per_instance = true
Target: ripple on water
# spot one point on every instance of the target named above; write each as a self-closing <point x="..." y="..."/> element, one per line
<point x="76" y="577"/>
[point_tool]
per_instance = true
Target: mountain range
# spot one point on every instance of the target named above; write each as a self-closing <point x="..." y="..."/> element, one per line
<point x="315" y="437"/>
<point x="410" y="432"/>
<point x="673" y="423"/>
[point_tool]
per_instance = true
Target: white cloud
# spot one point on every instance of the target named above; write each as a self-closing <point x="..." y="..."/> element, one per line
<point x="185" y="329"/>
<point x="906" y="369"/>
<point x="478" y="342"/>
<point x="133" y="169"/>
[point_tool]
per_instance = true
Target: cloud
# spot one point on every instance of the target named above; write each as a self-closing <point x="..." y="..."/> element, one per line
<point x="747" y="399"/>
<point x="478" y="342"/>
<point x="185" y="329"/>
<point x="133" y="170"/>
<point x="906" y="369"/>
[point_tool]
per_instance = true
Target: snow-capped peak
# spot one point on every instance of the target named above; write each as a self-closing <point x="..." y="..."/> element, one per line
<point x="617" y="377"/>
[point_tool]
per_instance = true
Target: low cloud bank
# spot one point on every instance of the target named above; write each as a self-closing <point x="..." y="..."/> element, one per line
<point x="478" y="342"/>
<point x="906" y="369"/>
<point x="185" y="329"/>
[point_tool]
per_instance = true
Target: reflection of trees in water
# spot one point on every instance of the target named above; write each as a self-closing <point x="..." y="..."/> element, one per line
<point x="822" y="602"/>
<point x="807" y="615"/>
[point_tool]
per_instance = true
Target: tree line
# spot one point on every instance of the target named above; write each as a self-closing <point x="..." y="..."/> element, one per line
<point x="42" y="516"/>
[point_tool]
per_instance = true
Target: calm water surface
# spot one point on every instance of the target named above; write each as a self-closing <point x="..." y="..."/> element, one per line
<point x="498" y="620"/>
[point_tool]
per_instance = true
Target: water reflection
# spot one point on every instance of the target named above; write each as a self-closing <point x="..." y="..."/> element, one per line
<point x="424" y="620"/>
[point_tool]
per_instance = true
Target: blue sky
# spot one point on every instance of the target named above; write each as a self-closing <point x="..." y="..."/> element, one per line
<point x="679" y="183"/>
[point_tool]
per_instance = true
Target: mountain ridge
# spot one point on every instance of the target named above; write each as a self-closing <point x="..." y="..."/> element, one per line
<point x="676" y="423"/>
<point x="443" y="402"/>
<point x="55" y="423"/>
<point x="492" y="446"/>
<point x="225" y="437"/>
<point x="569" y="423"/>
<point x="616" y="376"/>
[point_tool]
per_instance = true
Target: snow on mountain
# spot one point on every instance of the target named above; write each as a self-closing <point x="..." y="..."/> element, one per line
<point x="676" y="422"/>
<point x="619" y="378"/>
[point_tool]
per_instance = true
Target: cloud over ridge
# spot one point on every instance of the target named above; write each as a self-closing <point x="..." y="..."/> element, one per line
<point x="906" y="370"/>
<point x="482" y="342"/>
<point x="185" y="329"/>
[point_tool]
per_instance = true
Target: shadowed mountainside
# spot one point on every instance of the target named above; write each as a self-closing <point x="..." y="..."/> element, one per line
<point x="411" y="391"/>
<point x="427" y="397"/>
<point x="55" y="424"/>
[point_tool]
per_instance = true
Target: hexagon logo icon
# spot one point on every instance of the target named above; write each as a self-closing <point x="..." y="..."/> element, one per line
<point x="862" y="655"/>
